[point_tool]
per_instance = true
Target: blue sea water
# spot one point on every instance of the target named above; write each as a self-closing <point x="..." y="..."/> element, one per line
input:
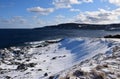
<point x="13" y="37"/>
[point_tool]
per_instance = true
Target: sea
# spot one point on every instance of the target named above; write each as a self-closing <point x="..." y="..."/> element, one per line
<point x="16" y="37"/>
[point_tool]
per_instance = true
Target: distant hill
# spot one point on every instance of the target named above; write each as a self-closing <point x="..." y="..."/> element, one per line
<point x="109" y="27"/>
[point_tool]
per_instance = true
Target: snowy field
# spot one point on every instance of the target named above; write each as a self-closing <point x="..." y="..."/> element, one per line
<point x="48" y="59"/>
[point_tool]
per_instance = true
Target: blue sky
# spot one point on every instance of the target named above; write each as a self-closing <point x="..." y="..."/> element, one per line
<point x="39" y="13"/>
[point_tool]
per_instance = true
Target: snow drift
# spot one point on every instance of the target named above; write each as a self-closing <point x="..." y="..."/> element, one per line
<point x="39" y="60"/>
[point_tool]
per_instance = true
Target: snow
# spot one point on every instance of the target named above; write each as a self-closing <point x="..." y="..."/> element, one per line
<point x="84" y="48"/>
<point x="58" y="57"/>
<point x="108" y="65"/>
<point x="118" y="40"/>
<point x="86" y="69"/>
<point x="52" y="65"/>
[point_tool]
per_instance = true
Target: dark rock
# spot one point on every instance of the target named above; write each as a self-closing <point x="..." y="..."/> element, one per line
<point x="17" y="53"/>
<point x="15" y="63"/>
<point x="78" y="73"/>
<point x="38" y="46"/>
<point x="31" y="65"/>
<point x="64" y="56"/>
<point x="45" y="74"/>
<point x="1" y="69"/>
<point x="105" y="65"/>
<point x="98" y="75"/>
<point x="54" y="58"/>
<point x="8" y="77"/>
<point x="22" y="67"/>
<point x="28" y="73"/>
<point x="39" y="69"/>
<point x="2" y="72"/>
<point x="112" y="36"/>
<point x="40" y="53"/>
<point x="51" y="77"/>
<point x="98" y="67"/>
<point x="28" y="60"/>
<point x="42" y="45"/>
<point x="19" y="59"/>
<point x="32" y="69"/>
<point x="44" y="60"/>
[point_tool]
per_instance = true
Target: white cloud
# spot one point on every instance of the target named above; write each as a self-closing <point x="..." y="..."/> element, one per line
<point x="68" y="3"/>
<point x="15" y="19"/>
<point x="40" y="22"/>
<point x="2" y="20"/>
<point x="40" y="10"/>
<point x="116" y="2"/>
<point x="18" y="19"/>
<point x="99" y="17"/>
<point x="88" y="1"/>
<point x="74" y="10"/>
<point x="60" y="17"/>
<point x="15" y="22"/>
<point x="62" y="3"/>
<point x="74" y="1"/>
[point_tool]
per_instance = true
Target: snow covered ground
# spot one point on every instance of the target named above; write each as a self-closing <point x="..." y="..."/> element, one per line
<point x="56" y="58"/>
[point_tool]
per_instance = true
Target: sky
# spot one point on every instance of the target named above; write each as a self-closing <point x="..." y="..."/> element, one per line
<point x="40" y="13"/>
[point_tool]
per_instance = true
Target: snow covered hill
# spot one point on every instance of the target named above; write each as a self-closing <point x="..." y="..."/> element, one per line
<point x="55" y="59"/>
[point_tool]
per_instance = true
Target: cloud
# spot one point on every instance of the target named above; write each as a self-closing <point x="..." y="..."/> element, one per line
<point x="74" y="1"/>
<point x="74" y="10"/>
<point x="68" y="3"/>
<point x="2" y="20"/>
<point x="62" y="3"/>
<point x="18" y="19"/>
<point x="116" y="2"/>
<point x="40" y="22"/>
<point x="40" y="10"/>
<point x="99" y="17"/>
<point x="88" y="1"/>
<point x="13" y="20"/>
<point x="60" y="17"/>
